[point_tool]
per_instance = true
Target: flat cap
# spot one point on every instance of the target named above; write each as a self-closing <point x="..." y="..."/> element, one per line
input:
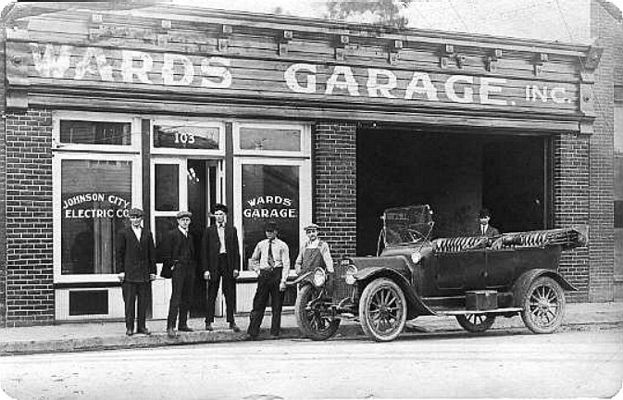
<point x="183" y="214"/>
<point x="311" y="226"/>
<point x="135" y="212"/>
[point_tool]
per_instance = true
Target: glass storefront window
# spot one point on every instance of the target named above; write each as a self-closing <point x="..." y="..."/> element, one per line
<point x="270" y="193"/>
<point x="167" y="187"/>
<point x="269" y="139"/>
<point x="94" y="132"/>
<point x="95" y="198"/>
<point x="186" y="137"/>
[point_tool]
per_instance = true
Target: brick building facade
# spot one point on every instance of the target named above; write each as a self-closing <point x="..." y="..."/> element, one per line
<point x="342" y="154"/>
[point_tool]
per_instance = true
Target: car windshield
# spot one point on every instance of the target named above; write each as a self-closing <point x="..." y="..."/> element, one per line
<point x="407" y="224"/>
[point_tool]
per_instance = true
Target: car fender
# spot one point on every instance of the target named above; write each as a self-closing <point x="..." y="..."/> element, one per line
<point x="524" y="281"/>
<point x="415" y="304"/>
<point x="306" y="277"/>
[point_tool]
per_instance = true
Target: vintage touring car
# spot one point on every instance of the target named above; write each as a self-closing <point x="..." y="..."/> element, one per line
<point x="475" y="279"/>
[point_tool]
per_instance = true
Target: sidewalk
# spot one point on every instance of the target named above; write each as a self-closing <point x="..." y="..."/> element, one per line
<point x="111" y="335"/>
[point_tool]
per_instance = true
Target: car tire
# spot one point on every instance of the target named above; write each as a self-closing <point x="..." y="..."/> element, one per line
<point x="475" y="323"/>
<point x="312" y="323"/>
<point x="543" y="305"/>
<point x="382" y="310"/>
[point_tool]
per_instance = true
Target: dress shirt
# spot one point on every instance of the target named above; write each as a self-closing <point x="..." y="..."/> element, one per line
<point x="324" y="251"/>
<point x="184" y="232"/>
<point x="137" y="232"/>
<point x="220" y="229"/>
<point x="281" y="256"/>
<point x="483" y="229"/>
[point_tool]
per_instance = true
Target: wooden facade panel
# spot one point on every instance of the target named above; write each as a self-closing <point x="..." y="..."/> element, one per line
<point x="120" y="70"/>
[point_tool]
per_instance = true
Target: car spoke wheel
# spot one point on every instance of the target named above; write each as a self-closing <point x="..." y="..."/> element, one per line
<point x="543" y="305"/>
<point x="382" y="310"/>
<point x="312" y="317"/>
<point x="475" y="323"/>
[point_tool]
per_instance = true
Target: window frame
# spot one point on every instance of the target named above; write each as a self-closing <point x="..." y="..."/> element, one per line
<point x="305" y="143"/>
<point x="305" y="198"/>
<point x="135" y="131"/>
<point x="202" y="122"/>
<point x="57" y="161"/>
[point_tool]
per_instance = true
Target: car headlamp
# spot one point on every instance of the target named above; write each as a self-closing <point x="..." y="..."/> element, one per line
<point x="416" y="257"/>
<point x="319" y="278"/>
<point x="350" y="275"/>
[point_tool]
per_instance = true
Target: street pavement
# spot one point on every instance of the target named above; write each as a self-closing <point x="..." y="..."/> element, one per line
<point x="67" y="337"/>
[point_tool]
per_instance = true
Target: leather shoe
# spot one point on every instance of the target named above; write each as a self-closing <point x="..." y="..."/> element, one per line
<point x="144" y="331"/>
<point x="184" y="329"/>
<point x="250" y="337"/>
<point x="234" y="327"/>
<point x="209" y="327"/>
<point x="129" y="332"/>
<point x="171" y="333"/>
<point x="274" y="336"/>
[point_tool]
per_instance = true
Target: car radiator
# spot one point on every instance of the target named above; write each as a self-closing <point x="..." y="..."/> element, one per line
<point x="340" y="289"/>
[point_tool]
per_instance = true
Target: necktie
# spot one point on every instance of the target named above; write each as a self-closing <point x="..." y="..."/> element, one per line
<point x="483" y="229"/>
<point x="271" y="259"/>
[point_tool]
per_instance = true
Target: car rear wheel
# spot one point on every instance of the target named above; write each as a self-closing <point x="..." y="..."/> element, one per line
<point x="312" y="317"/>
<point x="475" y="323"/>
<point x="543" y="305"/>
<point x="382" y="310"/>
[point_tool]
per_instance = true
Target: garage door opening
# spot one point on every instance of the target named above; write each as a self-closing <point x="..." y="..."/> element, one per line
<point x="456" y="174"/>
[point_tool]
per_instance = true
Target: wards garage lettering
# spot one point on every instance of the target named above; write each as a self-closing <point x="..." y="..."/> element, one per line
<point x="172" y="69"/>
<point x="269" y="207"/>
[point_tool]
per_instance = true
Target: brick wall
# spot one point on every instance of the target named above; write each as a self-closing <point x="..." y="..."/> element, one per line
<point x="335" y="185"/>
<point x="29" y="271"/>
<point x="2" y="179"/>
<point x="571" y="205"/>
<point x="601" y="248"/>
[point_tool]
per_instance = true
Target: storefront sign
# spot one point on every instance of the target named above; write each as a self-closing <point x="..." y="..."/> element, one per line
<point x="269" y="207"/>
<point x="95" y="205"/>
<point x="307" y="79"/>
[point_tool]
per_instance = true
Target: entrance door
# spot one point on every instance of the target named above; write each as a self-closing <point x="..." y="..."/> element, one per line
<point x="182" y="183"/>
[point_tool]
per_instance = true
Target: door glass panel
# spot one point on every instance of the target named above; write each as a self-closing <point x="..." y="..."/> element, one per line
<point x="167" y="187"/>
<point x="270" y="193"/>
<point x="270" y="139"/>
<point x="95" y="198"/>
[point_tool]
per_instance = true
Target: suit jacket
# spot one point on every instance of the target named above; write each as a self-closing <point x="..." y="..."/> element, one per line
<point x="171" y="250"/>
<point x="490" y="232"/>
<point x="210" y="246"/>
<point x="136" y="258"/>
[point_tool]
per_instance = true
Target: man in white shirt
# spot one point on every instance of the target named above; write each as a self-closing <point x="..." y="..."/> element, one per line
<point x="313" y="253"/>
<point x="271" y="261"/>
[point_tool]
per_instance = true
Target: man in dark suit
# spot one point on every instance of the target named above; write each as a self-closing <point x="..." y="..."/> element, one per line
<point x="179" y="264"/>
<point x="220" y="259"/>
<point x="484" y="229"/>
<point x="136" y="262"/>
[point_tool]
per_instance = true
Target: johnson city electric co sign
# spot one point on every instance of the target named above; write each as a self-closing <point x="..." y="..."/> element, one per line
<point x="287" y="79"/>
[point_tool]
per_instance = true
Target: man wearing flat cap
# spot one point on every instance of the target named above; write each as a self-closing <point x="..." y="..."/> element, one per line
<point x="313" y="253"/>
<point x="179" y="264"/>
<point x="271" y="262"/>
<point x="220" y="260"/>
<point x="136" y="263"/>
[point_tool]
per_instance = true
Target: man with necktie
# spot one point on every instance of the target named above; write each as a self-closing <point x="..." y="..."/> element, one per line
<point x="271" y="261"/>
<point x="220" y="260"/>
<point x="180" y="263"/>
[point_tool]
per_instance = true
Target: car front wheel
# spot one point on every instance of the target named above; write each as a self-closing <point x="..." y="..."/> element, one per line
<point x="312" y="317"/>
<point x="382" y="310"/>
<point x="543" y="305"/>
<point x="475" y="323"/>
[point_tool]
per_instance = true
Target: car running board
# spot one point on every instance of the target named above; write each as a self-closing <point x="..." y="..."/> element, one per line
<point x="469" y="312"/>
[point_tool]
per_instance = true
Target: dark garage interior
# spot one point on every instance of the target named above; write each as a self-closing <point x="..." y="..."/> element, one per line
<point x="456" y="173"/>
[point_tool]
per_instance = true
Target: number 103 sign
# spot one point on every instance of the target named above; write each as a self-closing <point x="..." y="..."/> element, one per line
<point x="186" y="137"/>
